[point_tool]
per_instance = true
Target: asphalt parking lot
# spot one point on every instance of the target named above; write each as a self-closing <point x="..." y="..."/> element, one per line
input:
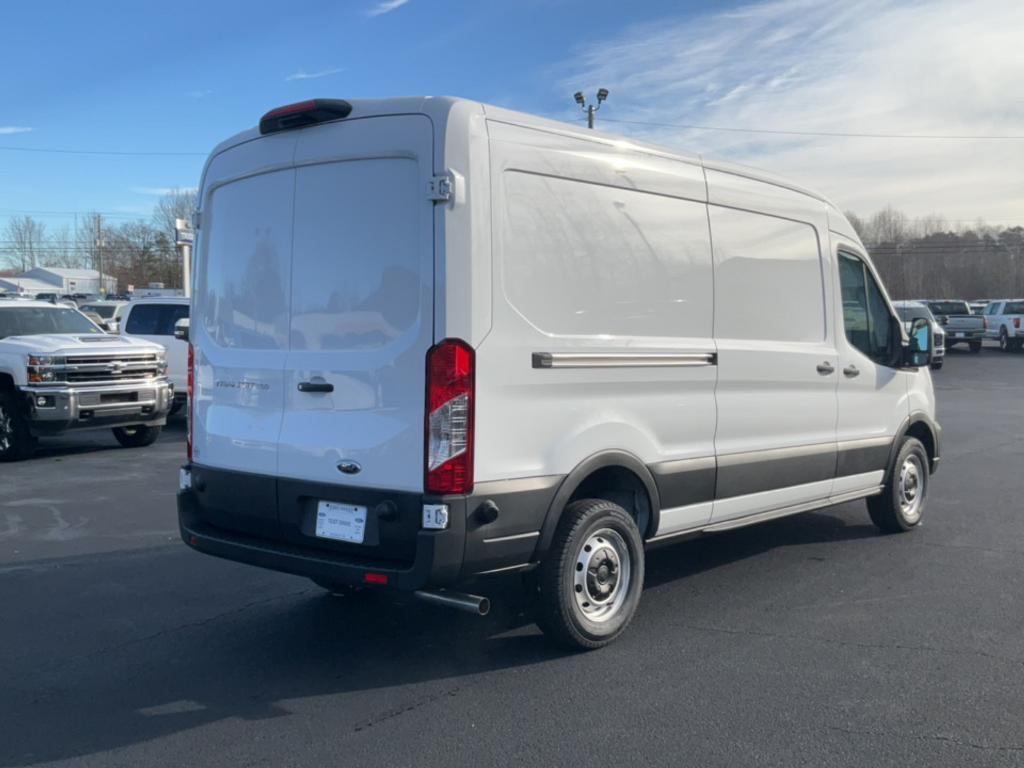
<point x="807" y="641"/>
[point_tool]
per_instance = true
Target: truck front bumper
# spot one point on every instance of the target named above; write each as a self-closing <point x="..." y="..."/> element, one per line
<point x="61" y="408"/>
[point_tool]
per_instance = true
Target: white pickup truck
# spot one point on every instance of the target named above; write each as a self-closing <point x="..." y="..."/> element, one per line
<point x="60" y="372"/>
<point x="1005" y="319"/>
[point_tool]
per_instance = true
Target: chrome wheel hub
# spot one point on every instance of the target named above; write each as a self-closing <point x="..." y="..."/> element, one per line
<point x="601" y="577"/>
<point x="911" y="488"/>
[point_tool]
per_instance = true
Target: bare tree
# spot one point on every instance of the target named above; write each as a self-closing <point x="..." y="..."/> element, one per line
<point x="176" y="204"/>
<point x="26" y="240"/>
<point x="890" y="226"/>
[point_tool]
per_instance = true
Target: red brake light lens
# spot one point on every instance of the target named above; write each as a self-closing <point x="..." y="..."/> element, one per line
<point x="304" y="113"/>
<point x="1016" y="322"/>
<point x="449" y="424"/>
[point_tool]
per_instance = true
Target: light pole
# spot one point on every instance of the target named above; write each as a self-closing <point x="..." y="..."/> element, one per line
<point x="591" y="109"/>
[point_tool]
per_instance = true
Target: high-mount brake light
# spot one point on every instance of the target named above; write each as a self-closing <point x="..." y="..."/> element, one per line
<point x="304" y="113"/>
<point x="449" y="424"/>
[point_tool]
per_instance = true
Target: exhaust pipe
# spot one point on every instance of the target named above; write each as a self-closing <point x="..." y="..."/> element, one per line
<point x="458" y="600"/>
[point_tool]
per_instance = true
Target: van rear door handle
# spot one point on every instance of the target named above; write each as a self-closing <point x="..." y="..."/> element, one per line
<point x="851" y="371"/>
<point x="315" y="386"/>
<point x="825" y="368"/>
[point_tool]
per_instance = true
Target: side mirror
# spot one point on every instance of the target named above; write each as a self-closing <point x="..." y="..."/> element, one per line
<point x="181" y="329"/>
<point x="918" y="353"/>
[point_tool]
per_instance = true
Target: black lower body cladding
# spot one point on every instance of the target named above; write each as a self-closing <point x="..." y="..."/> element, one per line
<point x="270" y="522"/>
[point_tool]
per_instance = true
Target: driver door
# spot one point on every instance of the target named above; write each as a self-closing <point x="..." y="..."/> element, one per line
<point x="873" y="395"/>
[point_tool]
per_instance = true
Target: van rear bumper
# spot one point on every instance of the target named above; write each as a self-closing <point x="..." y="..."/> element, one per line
<point x="264" y="521"/>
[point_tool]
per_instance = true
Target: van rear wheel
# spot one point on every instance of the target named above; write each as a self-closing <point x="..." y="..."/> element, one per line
<point x="590" y="581"/>
<point x="900" y="506"/>
<point x="138" y="436"/>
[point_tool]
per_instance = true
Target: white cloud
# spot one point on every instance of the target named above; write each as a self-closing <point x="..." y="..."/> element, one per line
<point x="161" y="191"/>
<point x="385" y="6"/>
<point x="303" y="75"/>
<point x="10" y="130"/>
<point x="878" y="66"/>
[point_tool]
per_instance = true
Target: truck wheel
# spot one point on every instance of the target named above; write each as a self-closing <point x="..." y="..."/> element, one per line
<point x="136" y="437"/>
<point x="900" y="506"/>
<point x="1004" y="340"/>
<point x="591" y="579"/>
<point x="1015" y="344"/>
<point x="937" y="366"/>
<point x="975" y="347"/>
<point x="16" y="441"/>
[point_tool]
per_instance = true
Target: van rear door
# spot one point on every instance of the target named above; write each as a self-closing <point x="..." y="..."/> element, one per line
<point x="361" y="305"/>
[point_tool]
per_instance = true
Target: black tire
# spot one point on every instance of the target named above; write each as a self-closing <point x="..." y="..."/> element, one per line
<point x="1015" y="344"/>
<point x="176" y="407"/>
<point x="599" y="541"/>
<point x="16" y="441"/>
<point x="937" y="366"/>
<point x="890" y="511"/>
<point x="136" y="436"/>
<point x="975" y="347"/>
<point x="1004" y="340"/>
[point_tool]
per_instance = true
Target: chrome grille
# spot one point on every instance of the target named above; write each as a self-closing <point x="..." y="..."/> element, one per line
<point x="103" y="369"/>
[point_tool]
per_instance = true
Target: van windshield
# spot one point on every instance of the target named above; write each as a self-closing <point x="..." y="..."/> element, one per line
<point x="31" y="321"/>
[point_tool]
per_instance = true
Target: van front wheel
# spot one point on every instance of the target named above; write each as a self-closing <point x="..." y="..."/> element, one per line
<point x="900" y="505"/>
<point x="591" y="579"/>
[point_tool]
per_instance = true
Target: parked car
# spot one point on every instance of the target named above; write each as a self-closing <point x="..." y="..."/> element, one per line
<point x="909" y="311"/>
<point x="110" y="313"/>
<point x="1005" y="318"/>
<point x="153" y="319"/>
<point x="488" y="342"/>
<point x="961" y="326"/>
<point x="60" y="372"/>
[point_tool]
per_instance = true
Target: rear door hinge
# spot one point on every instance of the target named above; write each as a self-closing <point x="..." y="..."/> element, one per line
<point x="441" y="189"/>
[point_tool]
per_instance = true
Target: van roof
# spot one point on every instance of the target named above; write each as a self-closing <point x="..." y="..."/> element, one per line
<point x="441" y="109"/>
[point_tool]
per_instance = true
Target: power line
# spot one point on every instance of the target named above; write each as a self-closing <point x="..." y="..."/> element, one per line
<point x="123" y="153"/>
<point x="832" y="134"/>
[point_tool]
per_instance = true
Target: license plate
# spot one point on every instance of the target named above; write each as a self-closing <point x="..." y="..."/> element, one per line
<point x="341" y="522"/>
<point x="958" y="335"/>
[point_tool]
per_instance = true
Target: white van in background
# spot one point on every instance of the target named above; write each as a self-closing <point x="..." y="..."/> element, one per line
<point x="435" y="340"/>
<point x="153" y="319"/>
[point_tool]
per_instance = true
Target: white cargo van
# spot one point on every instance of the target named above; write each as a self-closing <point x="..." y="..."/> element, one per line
<point x="434" y="340"/>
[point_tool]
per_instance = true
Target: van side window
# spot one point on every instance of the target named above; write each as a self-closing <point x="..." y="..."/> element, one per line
<point x="769" y="282"/>
<point x="587" y="259"/>
<point x="866" y="316"/>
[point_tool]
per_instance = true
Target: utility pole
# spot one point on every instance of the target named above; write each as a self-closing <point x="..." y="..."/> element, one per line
<point x="99" y="253"/>
<point x="591" y="109"/>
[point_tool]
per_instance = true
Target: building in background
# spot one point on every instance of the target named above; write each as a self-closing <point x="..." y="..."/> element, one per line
<point x="59" y="280"/>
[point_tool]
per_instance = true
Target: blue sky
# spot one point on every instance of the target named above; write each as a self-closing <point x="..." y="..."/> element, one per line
<point x="134" y="76"/>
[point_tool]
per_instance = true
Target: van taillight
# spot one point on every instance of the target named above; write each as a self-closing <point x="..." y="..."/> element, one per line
<point x="190" y="390"/>
<point x="449" y="423"/>
<point x="304" y="113"/>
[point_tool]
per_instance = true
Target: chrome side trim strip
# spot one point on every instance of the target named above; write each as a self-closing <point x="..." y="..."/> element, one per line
<point x="772" y="514"/>
<point x="515" y="537"/>
<point x="623" y="360"/>
<point x="772" y="454"/>
<point x="864" y="442"/>
<point x="506" y="569"/>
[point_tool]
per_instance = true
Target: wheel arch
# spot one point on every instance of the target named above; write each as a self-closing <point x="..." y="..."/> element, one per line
<point x="921" y="426"/>
<point x="618" y="476"/>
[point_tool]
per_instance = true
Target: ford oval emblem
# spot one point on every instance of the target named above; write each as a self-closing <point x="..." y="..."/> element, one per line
<point x="349" y="467"/>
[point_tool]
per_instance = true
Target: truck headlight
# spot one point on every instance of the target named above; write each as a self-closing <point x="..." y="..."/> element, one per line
<point x="43" y="368"/>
